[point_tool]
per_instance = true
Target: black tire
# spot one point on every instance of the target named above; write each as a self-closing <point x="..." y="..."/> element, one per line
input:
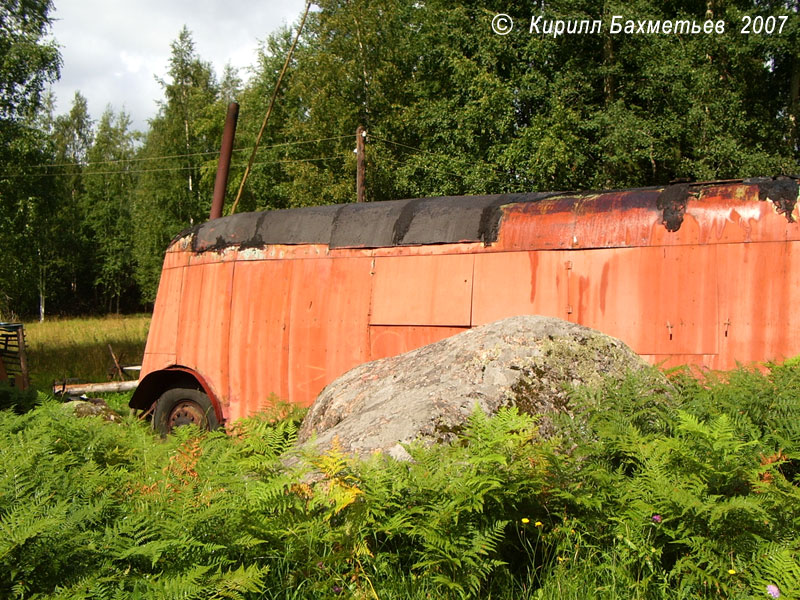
<point x="182" y="406"/>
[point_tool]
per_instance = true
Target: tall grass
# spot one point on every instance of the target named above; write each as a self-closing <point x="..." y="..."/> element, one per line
<point x="77" y="348"/>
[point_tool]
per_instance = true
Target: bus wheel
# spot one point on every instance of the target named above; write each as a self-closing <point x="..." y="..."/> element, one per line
<point x="182" y="406"/>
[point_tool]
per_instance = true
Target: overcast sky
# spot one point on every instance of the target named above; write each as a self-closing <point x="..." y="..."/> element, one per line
<point x="113" y="50"/>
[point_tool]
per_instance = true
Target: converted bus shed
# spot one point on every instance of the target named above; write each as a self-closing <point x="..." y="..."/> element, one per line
<point x="277" y="304"/>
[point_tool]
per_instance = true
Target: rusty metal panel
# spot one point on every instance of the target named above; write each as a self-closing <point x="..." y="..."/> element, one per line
<point x="391" y="340"/>
<point x="328" y="334"/>
<point x="545" y="225"/>
<point x="672" y="216"/>
<point x="283" y="252"/>
<point x="423" y="290"/>
<point x="216" y="256"/>
<point x="163" y="334"/>
<point x="155" y="361"/>
<point x="519" y="283"/>
<point x="259" y="336"/>
<point x="616" y="219"/>
<point x="205" y="306"/>
<point x="657" y="300"/>
<point x="758" y="302"/>
<point x="175" y="258"/>
<point x="728" y="214"/>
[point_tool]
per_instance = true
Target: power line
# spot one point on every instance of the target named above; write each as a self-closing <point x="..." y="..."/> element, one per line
<point x="171" y="156"/>
<point x="177" y="169"/>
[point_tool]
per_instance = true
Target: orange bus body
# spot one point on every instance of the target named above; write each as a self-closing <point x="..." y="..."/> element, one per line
<point x="278" y="304"/>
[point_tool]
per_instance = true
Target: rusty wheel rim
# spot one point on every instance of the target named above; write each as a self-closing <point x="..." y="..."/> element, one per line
<point x="186" y="412"/>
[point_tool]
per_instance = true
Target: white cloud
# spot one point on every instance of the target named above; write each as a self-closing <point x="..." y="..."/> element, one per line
<point x="113" y="50"/>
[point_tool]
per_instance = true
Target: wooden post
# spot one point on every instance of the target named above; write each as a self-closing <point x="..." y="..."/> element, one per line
<point x="23" y="360"/>
<point x="361" y="163"/>
<point x="118" y="371"/>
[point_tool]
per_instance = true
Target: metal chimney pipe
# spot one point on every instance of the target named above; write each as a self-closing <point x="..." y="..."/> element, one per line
<point x="224" y="165"/>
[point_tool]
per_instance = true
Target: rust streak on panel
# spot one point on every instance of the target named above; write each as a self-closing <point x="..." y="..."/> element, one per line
<point x="328" y="334"/>
<point x="500" y="292"/>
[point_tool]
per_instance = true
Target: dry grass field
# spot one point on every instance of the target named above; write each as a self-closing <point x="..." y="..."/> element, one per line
<point x="78" y="347"/>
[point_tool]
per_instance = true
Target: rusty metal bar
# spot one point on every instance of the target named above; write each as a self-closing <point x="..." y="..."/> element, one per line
<point x="224" y="165"/>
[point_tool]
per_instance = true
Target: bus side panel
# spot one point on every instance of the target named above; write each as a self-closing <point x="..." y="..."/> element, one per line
<point x="639" y="295"/>
<point x="259" y="336"/>
<point x="423" y="290"/>
<point x="205" y="321"/>
<point x="520" y="283"/>
<point x="758" y="302"/>
<point x="329" y="317"/>
<point x="657" y="300"/>
<point x="163" y="335"/>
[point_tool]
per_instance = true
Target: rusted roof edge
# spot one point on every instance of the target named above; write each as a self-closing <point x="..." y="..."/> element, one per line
<point x="438" y="220"/>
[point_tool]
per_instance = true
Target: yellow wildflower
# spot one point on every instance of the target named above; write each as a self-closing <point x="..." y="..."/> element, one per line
<point x="525" y="520"/>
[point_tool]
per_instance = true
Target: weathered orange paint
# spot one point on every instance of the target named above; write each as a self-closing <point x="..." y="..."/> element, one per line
<point x="440" y="292"/>
<point x="391" y="340"/>
<point x="262" y="321"/>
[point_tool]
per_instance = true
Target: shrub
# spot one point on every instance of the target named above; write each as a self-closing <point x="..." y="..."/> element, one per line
<point x="15" y="399"/>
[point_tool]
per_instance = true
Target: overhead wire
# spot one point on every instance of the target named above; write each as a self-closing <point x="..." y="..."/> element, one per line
<point x="173" y="156"/>
<point x="170" y="169"/>
<point x="136" y="171"/>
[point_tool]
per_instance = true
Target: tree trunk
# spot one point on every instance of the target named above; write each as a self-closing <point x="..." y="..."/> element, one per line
<point x="42" y="279"/>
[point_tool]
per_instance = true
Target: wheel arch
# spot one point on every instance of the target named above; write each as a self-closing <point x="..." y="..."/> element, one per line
<point x="156" y="383"/>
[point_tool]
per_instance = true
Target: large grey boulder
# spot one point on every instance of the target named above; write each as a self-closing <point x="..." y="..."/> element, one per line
<point x="430" y="392"/>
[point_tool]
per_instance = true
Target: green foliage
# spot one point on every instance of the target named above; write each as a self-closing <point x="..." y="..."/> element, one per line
<point x="18" y="400"/>
<point x="680" y="490"/>
<point x="28" y="60"/>
<point x="109" y="191"/>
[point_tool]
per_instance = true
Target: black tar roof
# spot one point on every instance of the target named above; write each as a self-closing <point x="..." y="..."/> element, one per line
<point x="442" y="220"/>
